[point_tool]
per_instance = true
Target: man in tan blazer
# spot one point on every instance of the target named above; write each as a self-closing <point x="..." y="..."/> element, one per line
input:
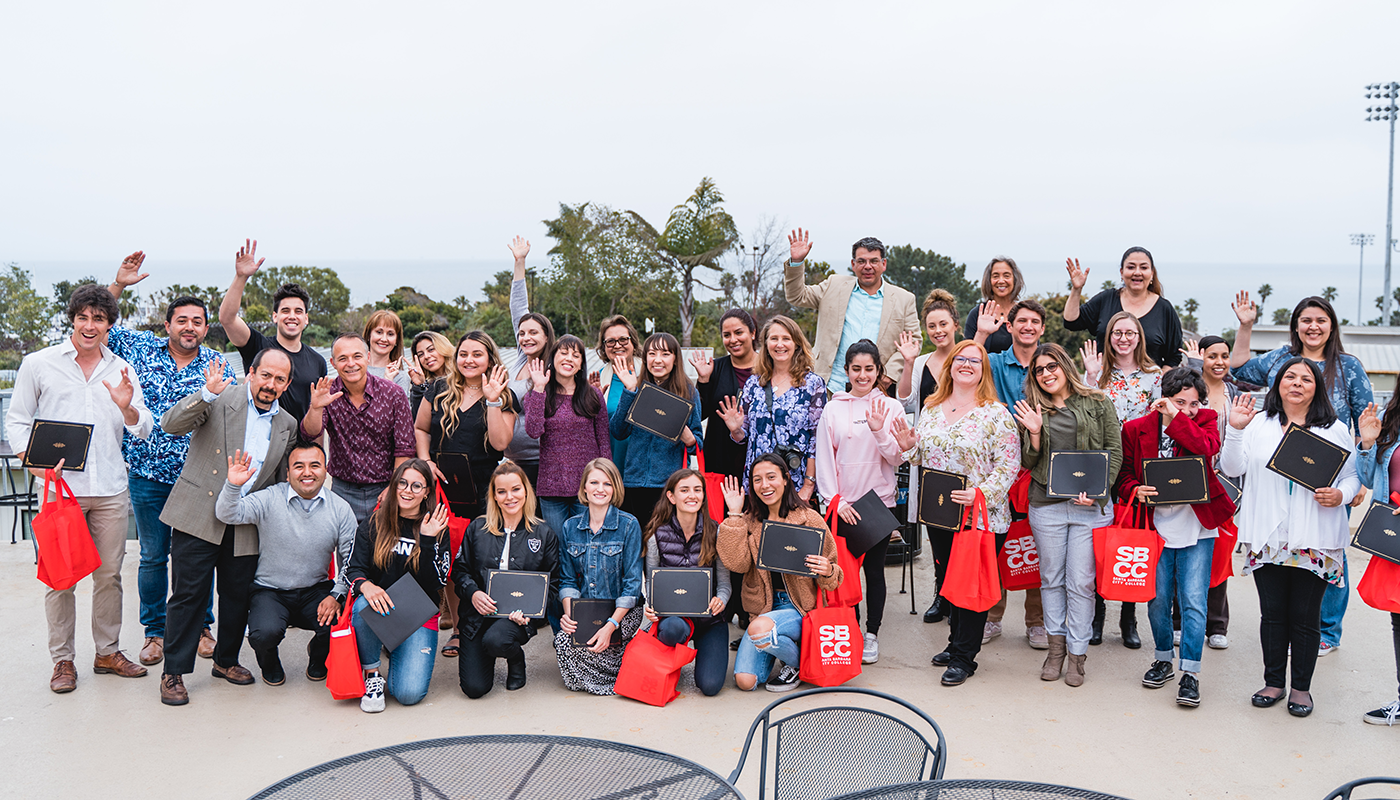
<point x="851" y="307"/>
<point x="225" y="419"/>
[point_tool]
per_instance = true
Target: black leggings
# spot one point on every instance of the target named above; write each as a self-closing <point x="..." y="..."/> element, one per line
<point x="476" y="662"/>
<point x="964" y="626"/>
<point x="874" y="568"/>
<point x="1290" y="613"/>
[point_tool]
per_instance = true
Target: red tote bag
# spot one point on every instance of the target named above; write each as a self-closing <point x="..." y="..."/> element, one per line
<point x="1380" y="586"/>
<point x="973" y="581"/>
<point x="344" y="678"/>
<point x="714" y="485"/>
<point x="1019" y="562"/>
<point x="849" y="592"/>
<point x="456" y="526"/>
<point x="831" y="644"/>
<point x="650" y="669"/>
<point x="67" y="553"/>
<point x="1222" y="561"/>
<point x="1126" y="554"/>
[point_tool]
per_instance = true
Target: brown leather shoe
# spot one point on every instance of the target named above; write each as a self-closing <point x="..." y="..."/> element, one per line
<point x="172" y="690"/>
<point x="206" y="644"/>
<point x="116" y="663"/>
<point x="153" y="652"/>
<point x="65" y="678"/>
<point x="234" y="674"/>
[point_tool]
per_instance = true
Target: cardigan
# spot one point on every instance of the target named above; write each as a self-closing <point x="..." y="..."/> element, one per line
<point x="738" y="542"/>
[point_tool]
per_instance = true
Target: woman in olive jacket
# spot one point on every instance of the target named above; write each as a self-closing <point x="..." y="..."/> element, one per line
<point x="509" y="536"/>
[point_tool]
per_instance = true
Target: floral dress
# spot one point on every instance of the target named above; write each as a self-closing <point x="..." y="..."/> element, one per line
<point x="984" y="445"/>
<point x="1133" y="392"/>
<point x="791" y="422"/>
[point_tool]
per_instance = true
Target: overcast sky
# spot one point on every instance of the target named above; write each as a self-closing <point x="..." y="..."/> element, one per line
<point x="1222" y="134"/>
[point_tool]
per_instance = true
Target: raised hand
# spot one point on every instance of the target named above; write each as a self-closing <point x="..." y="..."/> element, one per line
<point x="415" y="371"/>
<point x="595" y="379"/>
<point x="1192" y="350"/>
<point x="875" y="417"/>
<point x="1369" y="426"/>
<point x="731" y="413"/>
<point x="244" y="264"/>
<point x="240" y="468"/>
<point x="539" y="376"/>
<point x="1093" y="362"/>
<point x="799" y="245"/>
<point x="624" y="369"/>
<point x="494" y="385"/>
<point x="391" y="370"/>
<point x="989" y="318"/>
<point x="909" y="345"/>
<point x="1029" y="418"/>
<point x="321" y="394"/>
<point x="214" y="379"/>
<point x="123" y="393"/>
<point x="1242" y="412"/>
<point x="704" y="364"/>
<point x="519" y="248"/>
<point x="436" y="522"/>
<point x="129" y="273"/>
<point x="1245" y="310"/>
<point x="903" y="434"/>
<point x="1077" y="277"/>
<point x="733" y="495"/>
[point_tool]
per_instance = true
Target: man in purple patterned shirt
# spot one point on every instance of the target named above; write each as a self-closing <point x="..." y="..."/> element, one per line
<point x="368" y="425"/>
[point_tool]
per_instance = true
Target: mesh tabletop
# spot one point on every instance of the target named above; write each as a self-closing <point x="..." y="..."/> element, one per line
<point x="977" y="790"/>
<point x="508" y="767"/>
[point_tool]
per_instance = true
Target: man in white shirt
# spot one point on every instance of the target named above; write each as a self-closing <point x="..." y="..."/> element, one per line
<point x="80" y="380"/>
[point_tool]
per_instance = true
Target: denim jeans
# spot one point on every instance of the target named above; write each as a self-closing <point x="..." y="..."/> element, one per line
<point x="1183" y="573"/>
<point x="410" y="664"/>
<point x="153" y="575"/>
<point x="557" y="510"/>
<point x="1064" y="537"/>
<point x="711" y="638"/>
<point x="1334" y="606"/>
<point x="784" y="641"/>
<point x="362" y="497"/>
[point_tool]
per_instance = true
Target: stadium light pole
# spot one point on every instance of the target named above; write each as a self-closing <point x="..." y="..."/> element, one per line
<point x="1386" y="113"/>
<point x="1361" y="240"/>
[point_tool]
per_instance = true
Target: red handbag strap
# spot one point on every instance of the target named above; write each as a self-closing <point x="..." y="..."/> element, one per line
<point x="831" y="509"/>
<point x="978" y="507"/>
<point x="700" y="458"/>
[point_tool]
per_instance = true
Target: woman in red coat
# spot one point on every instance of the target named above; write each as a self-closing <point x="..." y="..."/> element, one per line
<point x="1179" y="424"/>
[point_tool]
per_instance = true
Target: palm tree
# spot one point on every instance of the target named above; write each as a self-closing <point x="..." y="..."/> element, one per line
<point x="1264" y="292"/>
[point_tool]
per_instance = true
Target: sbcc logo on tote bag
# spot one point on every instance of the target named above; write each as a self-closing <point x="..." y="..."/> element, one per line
<point x="835" y="642"/>
<point x="1021" y="553"/>
<point x="1130" y="564"/>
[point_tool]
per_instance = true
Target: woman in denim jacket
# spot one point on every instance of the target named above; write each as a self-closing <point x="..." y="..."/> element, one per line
<point x="652" y="459"/>
<point x="1380" y="439"/>
<point x="600" y="558"/>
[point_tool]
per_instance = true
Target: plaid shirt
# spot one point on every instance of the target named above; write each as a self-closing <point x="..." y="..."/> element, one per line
<point x="161" y="456"/>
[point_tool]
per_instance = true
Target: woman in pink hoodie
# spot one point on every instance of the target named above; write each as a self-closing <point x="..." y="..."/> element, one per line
<point x="857" y="452"/>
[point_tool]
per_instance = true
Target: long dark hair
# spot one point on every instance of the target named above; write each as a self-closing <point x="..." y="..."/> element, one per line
<point x="1390" y="425"/>
<point x="386" y="516"/>
<point x="586" y="401"/>
<point x="677" y="383"/>
<point x="544" y="323"/>
<point x="665" y="510"/>
<point x="1320" y="411"/>
<point x="791" y="499"/>
<point x="1332" y="350"/>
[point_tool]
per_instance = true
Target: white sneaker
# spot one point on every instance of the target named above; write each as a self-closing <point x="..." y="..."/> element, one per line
<point x="1038" y="638"/>
<point x="1218" y="641"/>
<point x="1326" y="649"/>
<point x="871" y="653"/>
<point x="373" y="700"/>
<point x="990" y="631"/>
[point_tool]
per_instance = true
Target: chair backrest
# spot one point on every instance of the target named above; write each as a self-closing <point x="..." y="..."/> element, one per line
<point x="823" y="752"/>
<point x="1344" y="791"/>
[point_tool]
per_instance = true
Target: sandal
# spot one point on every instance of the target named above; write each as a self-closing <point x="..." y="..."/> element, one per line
<point x="453" y="646"/>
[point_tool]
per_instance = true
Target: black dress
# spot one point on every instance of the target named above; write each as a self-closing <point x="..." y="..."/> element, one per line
<point x="999" y="340"/>
<point x="1161" y="326"/>
<point x="723" y="455"/>
<point x="469" y="439"/>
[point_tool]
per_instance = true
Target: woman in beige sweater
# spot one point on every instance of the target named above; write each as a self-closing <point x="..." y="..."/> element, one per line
<point x="777" y="601"/>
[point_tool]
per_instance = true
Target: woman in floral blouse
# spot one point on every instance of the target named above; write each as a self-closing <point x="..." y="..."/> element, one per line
<point x="780" y="405"/>
<point x="1133" y="383"/>
<point x="965" y="430"/>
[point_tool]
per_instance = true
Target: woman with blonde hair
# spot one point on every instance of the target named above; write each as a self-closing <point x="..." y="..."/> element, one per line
<point x="964" y="429"/>
<point x="509" y="536"/>
<point x="780" y="405"/>
<point x="429" y="358"/>
<point x="1060" y="412"/>
<point x="384" y="333"/>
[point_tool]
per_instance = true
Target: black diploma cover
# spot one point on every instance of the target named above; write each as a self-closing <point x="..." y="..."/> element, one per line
<point x="659" y="412"/>
<point x="51" y="440"/>
<point x="1178" y="481"/>
<point x="412" y="608"/>
<point x="590" y="616"/>
<point x="1307" y="459"/>
<point x="936" y="507"/>
<point x="1073" y="472"/>
<point x="681" y="591"/>
<point x="784" y="548"/>
<point x="513" y="590"/>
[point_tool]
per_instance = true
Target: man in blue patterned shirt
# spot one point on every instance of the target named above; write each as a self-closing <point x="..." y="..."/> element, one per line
<point x="169" y="370"/>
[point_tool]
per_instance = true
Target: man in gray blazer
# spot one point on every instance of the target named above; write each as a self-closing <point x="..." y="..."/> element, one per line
<point x="224" y="419"/>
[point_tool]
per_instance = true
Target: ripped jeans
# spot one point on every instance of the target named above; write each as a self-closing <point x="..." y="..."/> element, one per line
<point x="410" y="664"/>
<point x="782" y="642"/>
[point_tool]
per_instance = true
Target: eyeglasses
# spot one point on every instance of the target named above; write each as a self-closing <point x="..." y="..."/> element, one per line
<point x="1053" y="366"/>
<point x="972" y="362"/>
<point x="869" y="262"/>
<point x="1124" y="334"/>
<point x="616" y="342"/>
<point x="414" y="487"/>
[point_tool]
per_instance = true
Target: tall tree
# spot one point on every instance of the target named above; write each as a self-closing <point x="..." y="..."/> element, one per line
<point x="1264" y="292"/>
<point x="24" y="325"/>
<point x="329" y="295"/>
<point x="697" y="234"/>
<point x="921" y="271"/>
<point x="1187" y="312"/>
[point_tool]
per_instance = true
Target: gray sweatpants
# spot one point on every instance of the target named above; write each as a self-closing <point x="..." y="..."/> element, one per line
<point x="1064" y="537"/>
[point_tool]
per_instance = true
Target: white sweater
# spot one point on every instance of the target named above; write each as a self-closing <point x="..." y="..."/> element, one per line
<point x="1269" y="512"/>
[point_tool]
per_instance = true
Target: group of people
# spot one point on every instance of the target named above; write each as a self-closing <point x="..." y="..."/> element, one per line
<point x="306" y="496"/>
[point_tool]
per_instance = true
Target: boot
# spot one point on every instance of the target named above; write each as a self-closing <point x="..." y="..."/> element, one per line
<point x="1127" y="623"/>
<point x="515" y="673"/>
<point x="1096" y="633"/>
<point x="1074" y="675"/>
<point x="935" y="612"/>
<point x="1055" y="661"/>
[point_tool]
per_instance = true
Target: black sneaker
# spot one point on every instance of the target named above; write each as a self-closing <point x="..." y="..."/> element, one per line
<point x="1387" y="715"/>
<point x="943" y="659"/>
<point x="1189" y="692"/>
<point x="1158" y="675"/>
<point x="783" y="679"/>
